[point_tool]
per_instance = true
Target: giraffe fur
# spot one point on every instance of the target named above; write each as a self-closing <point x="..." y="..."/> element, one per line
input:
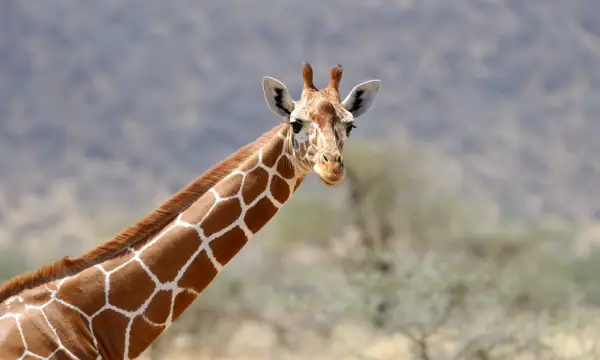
<point x="114" y="303"/>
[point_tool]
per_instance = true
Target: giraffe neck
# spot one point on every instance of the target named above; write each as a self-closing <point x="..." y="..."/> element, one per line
<point x="149" y="287"/>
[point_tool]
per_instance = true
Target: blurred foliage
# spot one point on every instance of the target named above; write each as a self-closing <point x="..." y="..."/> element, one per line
<point x="402" y="254"/>
<point x="11" y="263"/>
<point x="303" y="220"/>
<point x="460" y="77"/>
<point x="83" y="110"/>
<point x="585" y="271"/>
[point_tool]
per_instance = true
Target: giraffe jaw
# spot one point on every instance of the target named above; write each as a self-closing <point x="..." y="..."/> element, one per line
<point x="330" y="175"/>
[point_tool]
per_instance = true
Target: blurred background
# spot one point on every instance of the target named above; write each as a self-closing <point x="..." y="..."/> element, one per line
<point x="472" y="237"/>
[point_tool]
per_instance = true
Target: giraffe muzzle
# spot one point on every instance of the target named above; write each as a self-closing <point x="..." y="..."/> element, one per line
<point x="330" y="168"/>
<point x="327" y="158"/>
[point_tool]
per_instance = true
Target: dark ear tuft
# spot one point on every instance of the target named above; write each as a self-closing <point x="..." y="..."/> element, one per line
<point x="361" y="97"/>
<point x="357" y="102"/>
<point x="277" y="97"/>
<point x="279" y="92"/>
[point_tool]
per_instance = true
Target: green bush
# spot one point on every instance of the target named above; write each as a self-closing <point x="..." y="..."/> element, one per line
<point x="11" y="264"/>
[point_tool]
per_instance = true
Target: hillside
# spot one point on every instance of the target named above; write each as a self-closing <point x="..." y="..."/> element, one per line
<point x="108" y="107"/>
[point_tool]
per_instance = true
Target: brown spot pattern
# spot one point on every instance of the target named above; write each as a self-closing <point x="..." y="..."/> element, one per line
<point x="39" y="345"/>
<point x="68" y="328"/>
<point x="249" y="163"/>
<point x="280" y="189"/>
<point x="143" y="333"/>
<point x="159" y="308"/>
<point x="271" y="154"/>
<point x="38" y="295"/>
<point x="231" y="187"/>
<point x="52" y="286"/>
<point x="175" y="251"/>
<point x="77" y="290"/>
<point x="285" y="168"/>
<point x="323" y="115"/>
<point x="225" y="214"/>
<point x="227" y="245"/>
<point x="196" y="211"/>
<point x="258" y="215"/>
<point x="61" y="355"/>
<point x="117" y="323"/>
<point x="199" y="274"/>
<point x="112" y="264"/>
<point x="10" y="336"/>
<point x="182" y="301"/>
<point x="255" y="184"/>
<point x="130" y="300"/>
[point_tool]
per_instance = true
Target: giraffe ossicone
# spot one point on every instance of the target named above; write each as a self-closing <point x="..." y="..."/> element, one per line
<point x="115" y="300"/>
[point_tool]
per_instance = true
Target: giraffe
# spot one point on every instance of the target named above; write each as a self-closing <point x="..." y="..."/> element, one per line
<point x="115" y="300"/>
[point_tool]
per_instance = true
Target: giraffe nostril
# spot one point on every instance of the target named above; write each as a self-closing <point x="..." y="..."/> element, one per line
<point x="331" y="158"/>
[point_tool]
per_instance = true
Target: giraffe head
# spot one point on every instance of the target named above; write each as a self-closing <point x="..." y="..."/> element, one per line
<point x="320" y="121"/>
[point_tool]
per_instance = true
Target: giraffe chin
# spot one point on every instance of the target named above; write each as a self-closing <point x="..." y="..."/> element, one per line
<point x="331" y="177"/>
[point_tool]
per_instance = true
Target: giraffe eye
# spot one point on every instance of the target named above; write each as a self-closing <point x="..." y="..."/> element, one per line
<point x="349" y="129"/>
<point x="297" y="126"/>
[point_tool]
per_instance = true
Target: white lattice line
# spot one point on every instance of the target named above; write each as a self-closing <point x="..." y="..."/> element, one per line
<point x="172" y="286"/>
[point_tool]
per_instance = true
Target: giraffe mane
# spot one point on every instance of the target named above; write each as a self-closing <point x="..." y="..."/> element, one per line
<point x="142" y="231"/>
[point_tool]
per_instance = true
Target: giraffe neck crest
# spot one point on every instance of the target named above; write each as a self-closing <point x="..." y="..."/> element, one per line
<point x="145" y="229"/>
<point x="121" y="305"/>
<point x="114" y="301"/>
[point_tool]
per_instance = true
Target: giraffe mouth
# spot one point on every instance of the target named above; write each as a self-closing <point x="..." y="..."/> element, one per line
<point x="330" y="183"/>
<point x="330" y="175"/>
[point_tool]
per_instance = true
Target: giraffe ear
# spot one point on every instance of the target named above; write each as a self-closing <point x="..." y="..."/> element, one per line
<point x="277" y="96"/>
<point x="361" y="97"/>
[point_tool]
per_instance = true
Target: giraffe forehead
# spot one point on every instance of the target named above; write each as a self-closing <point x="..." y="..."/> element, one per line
<point x="321" y="110"/>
